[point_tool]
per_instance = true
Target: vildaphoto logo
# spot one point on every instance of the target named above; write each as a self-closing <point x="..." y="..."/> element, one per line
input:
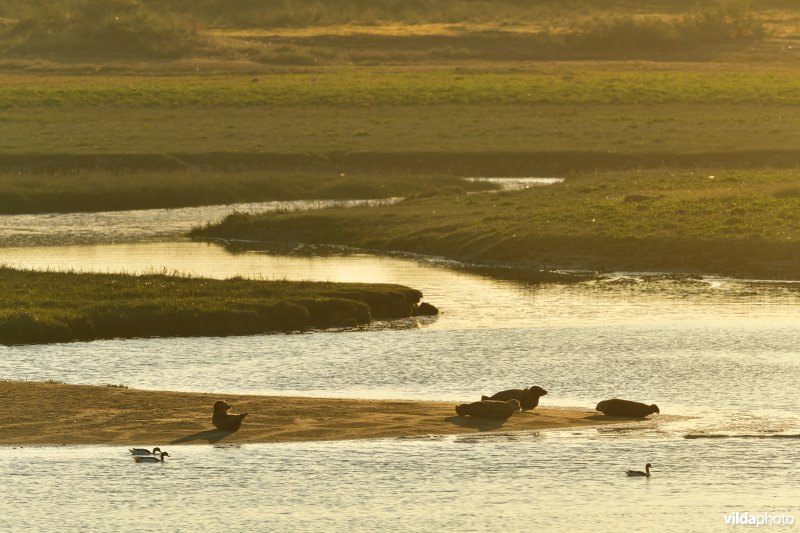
<point x="757" y="519"/>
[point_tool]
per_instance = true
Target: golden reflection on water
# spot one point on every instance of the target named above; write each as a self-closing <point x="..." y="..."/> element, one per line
<point x="466" y="300"/>
<point x="720" y="350"/>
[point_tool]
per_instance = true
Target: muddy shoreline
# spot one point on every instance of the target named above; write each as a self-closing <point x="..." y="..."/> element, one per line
<point x="45" y="413"/>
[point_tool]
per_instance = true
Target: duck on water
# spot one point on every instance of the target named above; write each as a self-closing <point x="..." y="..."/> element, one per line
<point x="144" y="451"/>
<point x="150" y="458"/>
<point x="639" y="473"/>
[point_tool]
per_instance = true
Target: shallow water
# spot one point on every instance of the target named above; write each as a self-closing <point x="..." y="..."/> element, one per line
<point x="722" y="351"/>
<point x="59" y="229"/>
<point x="554" y="481"/>
<point x="518" y="183"/>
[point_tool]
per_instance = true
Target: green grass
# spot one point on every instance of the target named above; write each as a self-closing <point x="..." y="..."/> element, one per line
<point x="121" y="187"/>
<point x="41" y="307"/>
<point x="623" y="128"/>
<point x="742" y="223"/>
<point x="239" y="140"/>
<point x="565" y="85"/>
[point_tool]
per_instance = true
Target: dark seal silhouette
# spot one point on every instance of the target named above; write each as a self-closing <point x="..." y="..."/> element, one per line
<point x="528" y="398"/>
<point x="222" y="420"/>
<point x="425" y="309"/>
<point x="626" y="408"/>
<point x="489" y="409"/>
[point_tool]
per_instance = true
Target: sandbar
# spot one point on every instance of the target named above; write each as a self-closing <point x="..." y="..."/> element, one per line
<point x="48" y="413"/>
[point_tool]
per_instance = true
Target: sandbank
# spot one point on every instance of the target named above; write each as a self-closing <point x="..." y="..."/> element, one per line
<point x="46" y="413"/>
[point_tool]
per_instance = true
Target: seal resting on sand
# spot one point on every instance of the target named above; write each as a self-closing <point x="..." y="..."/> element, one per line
<point x="528" y="398"/>
<point x="222" y="420"/>
<point x="626" y="408"/>
<point x="489" y="409"/>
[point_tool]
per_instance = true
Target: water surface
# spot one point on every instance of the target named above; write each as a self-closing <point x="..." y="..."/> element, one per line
<point x="721" y="351"/>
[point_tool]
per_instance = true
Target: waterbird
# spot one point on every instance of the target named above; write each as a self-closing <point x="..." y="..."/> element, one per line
<point x="144" y="451"/>
<point x="150" y="458"/>
<point x="639" y="473"/>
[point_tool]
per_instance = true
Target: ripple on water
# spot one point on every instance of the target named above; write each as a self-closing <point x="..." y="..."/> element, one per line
<point x="60" y="229"/>
<point x="722" y="351"/>
<point x="526" y="483"/>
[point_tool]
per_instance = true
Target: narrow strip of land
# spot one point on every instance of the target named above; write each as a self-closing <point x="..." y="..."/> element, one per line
<point x="42" y="307"/>
<point x="36" y="413"/>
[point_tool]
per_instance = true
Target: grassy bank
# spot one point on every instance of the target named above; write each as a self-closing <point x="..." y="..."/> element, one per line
<point x="565" y="83"/>
<point x="42" y="307"/>
<point x="136" y="141"/>
<point x="73" y="184"/>
<point x="311" y="100"/>
<point x="737" y="223"/>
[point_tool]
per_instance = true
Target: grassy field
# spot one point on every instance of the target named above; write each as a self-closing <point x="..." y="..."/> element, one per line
<point x="313" y="99"/>
<point x="737" y="223"/>
<point x="64" y="184"/>
<point x="114" y="142"/>
<point x="41" y="307"/>
<point x="563" y="83"/>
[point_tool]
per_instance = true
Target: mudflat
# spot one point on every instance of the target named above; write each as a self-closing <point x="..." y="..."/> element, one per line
<point x="45" y="413"/>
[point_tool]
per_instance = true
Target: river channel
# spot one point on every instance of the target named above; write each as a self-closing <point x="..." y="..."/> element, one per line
<point x="722" y="353"/>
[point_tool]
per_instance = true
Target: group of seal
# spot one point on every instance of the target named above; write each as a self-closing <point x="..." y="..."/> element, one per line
<point x="503" y="404"/>
<point x="222" y="420"/>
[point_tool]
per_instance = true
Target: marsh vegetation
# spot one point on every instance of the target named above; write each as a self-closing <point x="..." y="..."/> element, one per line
<point x="311" y="32"/>
<point x="134" y="104"/>
<point x="42" y="307"/>
<point x="735" y="223"/>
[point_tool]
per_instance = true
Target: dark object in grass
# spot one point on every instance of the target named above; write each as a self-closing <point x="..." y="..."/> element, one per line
<point x="528" y="398"/>
<point x="222" y="420"/>
<point x="626" y="408"/>
<point x="489" y="409"/>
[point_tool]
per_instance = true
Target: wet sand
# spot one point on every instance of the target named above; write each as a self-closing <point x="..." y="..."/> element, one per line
<point x="35" y="413"/>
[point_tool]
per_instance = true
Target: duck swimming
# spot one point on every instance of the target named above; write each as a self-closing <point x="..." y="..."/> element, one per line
<point x="150" y="458"/>
<point x="144" y="451"/>
<point x="639" y="473"/>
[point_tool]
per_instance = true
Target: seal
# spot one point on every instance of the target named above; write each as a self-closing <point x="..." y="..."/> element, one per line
<point x="489" y="409"/>
<point x="222" y="420"/>
<point x="528" y="398"/>
<point x="626" y="408"/>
